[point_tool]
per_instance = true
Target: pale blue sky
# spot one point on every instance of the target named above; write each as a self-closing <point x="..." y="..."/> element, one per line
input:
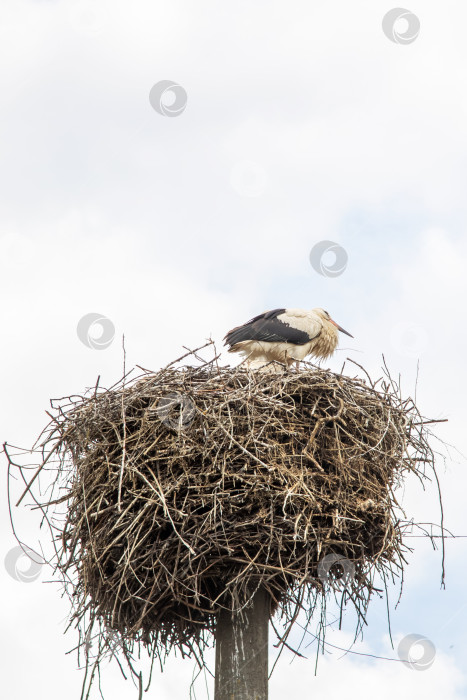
<point x="303" y="123"/>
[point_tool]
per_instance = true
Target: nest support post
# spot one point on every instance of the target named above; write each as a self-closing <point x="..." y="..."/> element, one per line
<point x="242" y="651"/>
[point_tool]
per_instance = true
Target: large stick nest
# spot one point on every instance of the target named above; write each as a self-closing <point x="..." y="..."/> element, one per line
<point x="189" y="487"/>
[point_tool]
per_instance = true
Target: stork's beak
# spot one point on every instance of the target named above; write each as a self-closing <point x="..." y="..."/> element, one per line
<point x="340" y="329"/>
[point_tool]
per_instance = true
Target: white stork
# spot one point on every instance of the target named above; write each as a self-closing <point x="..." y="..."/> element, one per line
<point x="286" y="336"/>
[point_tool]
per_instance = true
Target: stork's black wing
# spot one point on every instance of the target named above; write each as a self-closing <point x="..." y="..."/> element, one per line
<point x="268" y="328"/>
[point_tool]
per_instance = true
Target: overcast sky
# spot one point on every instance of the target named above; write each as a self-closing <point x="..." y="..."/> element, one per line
<point x="304" y="122"/>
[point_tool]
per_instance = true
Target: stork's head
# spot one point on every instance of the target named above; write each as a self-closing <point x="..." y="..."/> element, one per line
<point x="326" y="318"/>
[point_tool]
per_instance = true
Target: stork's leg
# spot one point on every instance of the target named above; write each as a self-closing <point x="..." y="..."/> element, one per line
<point x="297" y="365"/>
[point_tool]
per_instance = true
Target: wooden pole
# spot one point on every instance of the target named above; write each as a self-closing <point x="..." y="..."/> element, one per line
<point x="242" y="651"/>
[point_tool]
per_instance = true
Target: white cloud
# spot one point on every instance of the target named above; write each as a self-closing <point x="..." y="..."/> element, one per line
<point x="356" y="677"/>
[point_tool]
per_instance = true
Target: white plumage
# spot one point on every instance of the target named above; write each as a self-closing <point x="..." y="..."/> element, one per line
<point x="285" y="336"/>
